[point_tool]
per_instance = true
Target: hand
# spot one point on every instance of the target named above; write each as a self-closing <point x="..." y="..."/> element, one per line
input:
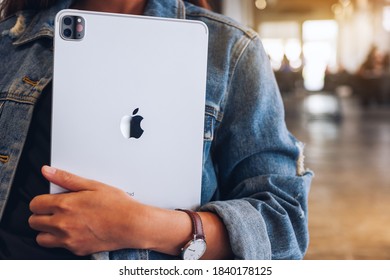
<point x="92" y="217"/>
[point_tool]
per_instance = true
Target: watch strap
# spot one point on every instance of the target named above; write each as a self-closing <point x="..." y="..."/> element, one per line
<point x="197" y="224"/>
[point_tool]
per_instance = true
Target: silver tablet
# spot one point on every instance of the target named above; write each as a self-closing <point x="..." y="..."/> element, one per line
<point x="129" y="104"/>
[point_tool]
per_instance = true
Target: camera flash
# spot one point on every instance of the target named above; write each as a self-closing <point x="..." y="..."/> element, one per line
<point x="79" y="28"/>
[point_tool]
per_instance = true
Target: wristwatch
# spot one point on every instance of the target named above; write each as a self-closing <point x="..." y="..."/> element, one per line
<point x="195" y="248"/>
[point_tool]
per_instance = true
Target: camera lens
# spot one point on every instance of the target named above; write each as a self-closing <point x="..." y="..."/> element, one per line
<point x="67" y="32"/>
<point x="67" y="21"/>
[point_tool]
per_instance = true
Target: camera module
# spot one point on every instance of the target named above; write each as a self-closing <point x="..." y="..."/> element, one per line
<point x="72" y="27"/>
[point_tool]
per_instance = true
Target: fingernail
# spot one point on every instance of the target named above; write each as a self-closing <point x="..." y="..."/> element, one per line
<point x="49" y="170"/>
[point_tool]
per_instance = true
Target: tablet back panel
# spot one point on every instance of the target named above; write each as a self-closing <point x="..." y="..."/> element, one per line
<point x="129" y="71"/>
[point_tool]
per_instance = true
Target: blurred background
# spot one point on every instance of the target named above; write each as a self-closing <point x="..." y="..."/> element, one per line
<point x="331" y="61"/>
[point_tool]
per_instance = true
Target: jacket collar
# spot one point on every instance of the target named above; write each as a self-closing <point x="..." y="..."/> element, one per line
<point x="41" y="25"/>
<point x="165" y="8"/>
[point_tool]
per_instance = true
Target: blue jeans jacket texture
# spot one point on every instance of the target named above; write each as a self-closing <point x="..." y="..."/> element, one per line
<point x="253" y="173"/>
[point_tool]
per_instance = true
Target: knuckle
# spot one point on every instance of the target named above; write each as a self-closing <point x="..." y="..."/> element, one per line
<point x="66" y="177"/>
<point x="63" y="204"/>
<point x="80" y="253"/>
<point x="64" y="227"/>
<point x="74" y="246"/>
<point x="68" y="244"/>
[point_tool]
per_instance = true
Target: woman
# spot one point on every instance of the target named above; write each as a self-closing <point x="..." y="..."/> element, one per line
<point x="254" y="187"/>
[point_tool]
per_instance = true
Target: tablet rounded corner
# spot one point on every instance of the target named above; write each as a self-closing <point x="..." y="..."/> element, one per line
<point x="206" y="28"/>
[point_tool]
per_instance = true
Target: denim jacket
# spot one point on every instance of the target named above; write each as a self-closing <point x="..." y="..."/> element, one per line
<point x="253" y="173"/>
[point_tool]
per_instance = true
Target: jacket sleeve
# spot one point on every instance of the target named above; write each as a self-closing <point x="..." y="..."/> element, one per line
<point x="262" y="184"/>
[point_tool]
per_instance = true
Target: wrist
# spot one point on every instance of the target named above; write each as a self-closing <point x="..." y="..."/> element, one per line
<point x="196" y="246"/>
<point x="171" y="231"/>
<point x="136" y="229"/>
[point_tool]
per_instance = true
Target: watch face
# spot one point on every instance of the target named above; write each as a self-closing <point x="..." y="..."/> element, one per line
<point x="194" y="250"/>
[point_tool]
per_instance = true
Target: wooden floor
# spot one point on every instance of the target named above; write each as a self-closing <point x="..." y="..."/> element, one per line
<point x="349" y="203"/>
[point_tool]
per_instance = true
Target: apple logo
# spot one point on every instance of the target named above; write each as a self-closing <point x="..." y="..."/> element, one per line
<point x="131" y="125"/>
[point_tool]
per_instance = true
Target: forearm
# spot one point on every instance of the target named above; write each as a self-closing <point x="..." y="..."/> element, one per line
<point x="217" y="238"/>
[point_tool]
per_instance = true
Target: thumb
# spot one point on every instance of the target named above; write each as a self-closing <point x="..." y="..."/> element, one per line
<point x="67" y="180"/>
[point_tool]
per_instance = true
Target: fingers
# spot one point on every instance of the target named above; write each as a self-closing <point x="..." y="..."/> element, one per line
<point x="48" y="204"/>
<point x="73" y="220"/>
<point x="55" y="232"/>
<point x="67" y="180"/>
<point x="41" y="223"/>
<point x="49" y="235"/>
<point x="43" y="204"/>
<point x="48" y="240"/>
